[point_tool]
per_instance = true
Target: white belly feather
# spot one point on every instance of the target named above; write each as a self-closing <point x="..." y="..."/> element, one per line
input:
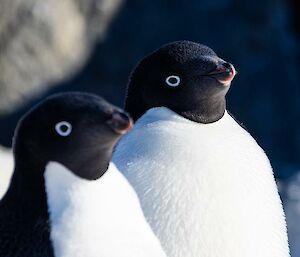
<point x="207" y="190"/>
<point x="6" y="169"/>
<point x="99" y="218"/>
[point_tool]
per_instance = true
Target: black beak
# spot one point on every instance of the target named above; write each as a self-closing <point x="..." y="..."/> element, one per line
<point x="120" y="122"/>
<point x="224" y="73"/>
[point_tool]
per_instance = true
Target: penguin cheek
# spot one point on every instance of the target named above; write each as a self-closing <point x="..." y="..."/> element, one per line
<point x="212" y="82"/>
<point x="150" y="97"/>
<point x="207" y="86"/>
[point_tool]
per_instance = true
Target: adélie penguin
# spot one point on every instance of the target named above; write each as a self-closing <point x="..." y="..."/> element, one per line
<point x="205" y="186"/>
<point x="66" y="198"/>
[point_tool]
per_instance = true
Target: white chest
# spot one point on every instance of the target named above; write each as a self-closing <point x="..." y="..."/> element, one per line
<point x="99" y="218"/>
<point x="206" y="190"/>
<point x="6" y="169"/>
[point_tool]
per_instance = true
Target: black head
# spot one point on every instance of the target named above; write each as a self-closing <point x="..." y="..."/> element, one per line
<point x="78" y="130"/>
<point x="187" y="77"/>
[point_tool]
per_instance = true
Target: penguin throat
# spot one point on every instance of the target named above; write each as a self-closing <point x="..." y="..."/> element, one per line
<point x="90" y="172"/>
<point x="93" y="165"/>
<point x="205" y="111"/>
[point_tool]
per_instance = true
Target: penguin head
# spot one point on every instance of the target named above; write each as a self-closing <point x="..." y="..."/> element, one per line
<point x="78" y="130"/>
<point x="186" y="77"/>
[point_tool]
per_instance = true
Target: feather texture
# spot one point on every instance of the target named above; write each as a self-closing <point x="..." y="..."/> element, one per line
<point x="6" y="169"/>
<point x="206" y="189"/>
<point x="100" y="218"/>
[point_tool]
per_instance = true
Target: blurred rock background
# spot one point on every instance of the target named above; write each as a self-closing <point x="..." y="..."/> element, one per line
<point x="49" y="46"/>
<point x="43" y="42"/>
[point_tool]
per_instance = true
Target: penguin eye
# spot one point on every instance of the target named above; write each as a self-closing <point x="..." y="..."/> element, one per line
<point x="63" y="128"/>
<point x="173" y="81"/>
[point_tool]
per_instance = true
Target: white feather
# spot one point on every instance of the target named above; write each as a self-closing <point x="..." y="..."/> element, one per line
<point x="207" y="190"/>
<point x="100" y="218"/>
<point x="6" y="169"/>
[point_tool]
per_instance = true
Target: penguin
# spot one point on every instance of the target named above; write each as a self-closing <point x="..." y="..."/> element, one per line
<point x="66" y="198"/>
<point x="6" y="169"/>
<point x="206" y="187"/>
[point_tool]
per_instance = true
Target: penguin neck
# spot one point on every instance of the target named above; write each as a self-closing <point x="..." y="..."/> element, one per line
<point x="93" y="165"/>
<point x="26" y="193"/>
<point x="165" y="114"/>
<point x="205" y="111"/>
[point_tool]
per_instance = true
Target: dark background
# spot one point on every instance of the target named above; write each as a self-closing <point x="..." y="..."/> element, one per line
<point x="260" y="38"/>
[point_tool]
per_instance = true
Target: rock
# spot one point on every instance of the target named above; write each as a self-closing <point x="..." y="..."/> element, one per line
<point x="43" y="42"/>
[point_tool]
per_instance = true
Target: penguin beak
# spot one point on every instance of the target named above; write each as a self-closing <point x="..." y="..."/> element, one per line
<point x="224" y="73"/>
<point x="120" y="122"/>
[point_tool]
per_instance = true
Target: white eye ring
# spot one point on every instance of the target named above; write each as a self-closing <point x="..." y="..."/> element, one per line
<point x="63" y="128"/>
<point x="173" y="84"/>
